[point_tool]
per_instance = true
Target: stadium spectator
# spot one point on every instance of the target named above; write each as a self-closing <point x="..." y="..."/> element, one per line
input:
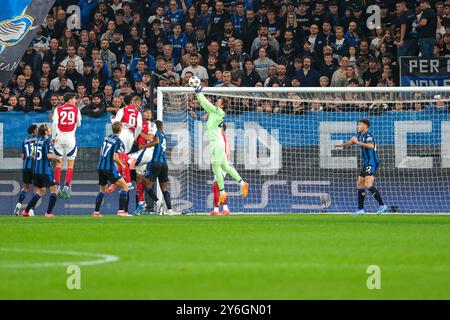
<point x="330" y="35"/>
<point x="308" y="77"/>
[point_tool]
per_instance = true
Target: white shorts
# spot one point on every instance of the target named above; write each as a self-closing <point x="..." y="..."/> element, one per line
<point x="127" y="138"/>
<point x="143" y="156"/>
<point x="66" y="146"/>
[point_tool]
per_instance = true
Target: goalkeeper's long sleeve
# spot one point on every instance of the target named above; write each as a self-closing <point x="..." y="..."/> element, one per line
<point x="205" y="103"/>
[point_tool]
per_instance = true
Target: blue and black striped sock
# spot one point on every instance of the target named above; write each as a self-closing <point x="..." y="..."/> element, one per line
<point x="51" y="202"/>
<point x="98" y="201"/>
<point x="32" y="202"/>
<point x="22" y="196"/>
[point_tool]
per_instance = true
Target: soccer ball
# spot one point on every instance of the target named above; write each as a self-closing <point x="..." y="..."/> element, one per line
<point x="194" y="82"/>
<point x="31" y="213"/>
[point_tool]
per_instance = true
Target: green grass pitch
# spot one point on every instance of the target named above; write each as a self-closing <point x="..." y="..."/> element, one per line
<point x="234" y="257"/>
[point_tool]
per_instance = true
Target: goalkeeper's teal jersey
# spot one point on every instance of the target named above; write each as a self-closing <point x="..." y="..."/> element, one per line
<point x="215" y="118"/>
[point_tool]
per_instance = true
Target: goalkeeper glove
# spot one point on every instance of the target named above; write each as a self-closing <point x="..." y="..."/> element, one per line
<point x="198" y="89"/>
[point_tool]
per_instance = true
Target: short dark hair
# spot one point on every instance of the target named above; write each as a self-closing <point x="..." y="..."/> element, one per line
<point x="32" y="128"/>
<point x="365" y="121"/>
<point x="68" y="96"/>
<point x="158" y="124"/>
<point x="116" y="127"/>
<point x="127" y="99"/>
<point x="42" y="129"/>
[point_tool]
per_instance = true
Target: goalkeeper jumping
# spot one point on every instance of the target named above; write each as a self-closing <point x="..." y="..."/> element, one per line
<point x="219" y="160"/>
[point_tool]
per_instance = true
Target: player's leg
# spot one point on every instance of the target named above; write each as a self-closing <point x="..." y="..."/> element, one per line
<point x="153" y="171"/>
<point x="216" y="193"/>
<point x="102" y="181"/>
<point x="60" y="150"/>
<point x="39" y="192"/>
<point x="123" y="196"/>
<point x="361" y="195"/>
<point x="140" y="189"/>
<point x="218" y="177"/>
<point x="71" y="154"/>
<point x="27" y="180"/>
<point x="369" y="181"/>
<point x="163" y="179"/>
<point x="140" y="157"/>
<point x="226" y="167"/>
<point x="69" y="175"/>
<point x="53" y="196"/>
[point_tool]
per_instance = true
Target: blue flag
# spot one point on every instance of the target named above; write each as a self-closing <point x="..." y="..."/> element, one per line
<point x="19" y="20"/>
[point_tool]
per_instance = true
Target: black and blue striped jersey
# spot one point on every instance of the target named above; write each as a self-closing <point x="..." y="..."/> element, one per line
<point x="111" y="145"/>
<point x="159" y="153"/>
<point x="41" y="164"/>
<point x="369" y="156"/>
<point x="27" y="150"/>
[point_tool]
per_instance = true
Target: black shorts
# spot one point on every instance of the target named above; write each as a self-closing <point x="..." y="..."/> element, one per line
<point x="105" y="175"/>
<point x="43" y="180"/>
<point x="367" y="171"/>
<point x="157" y="170"/>
<point x="27" y="176"/>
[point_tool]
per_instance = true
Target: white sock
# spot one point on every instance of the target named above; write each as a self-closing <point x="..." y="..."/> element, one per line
<point x="216" y="209"/>
<point x="225" y="207"/>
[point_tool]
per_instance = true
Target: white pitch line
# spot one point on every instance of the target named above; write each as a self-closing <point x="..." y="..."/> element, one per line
<point x="102" y="259"/>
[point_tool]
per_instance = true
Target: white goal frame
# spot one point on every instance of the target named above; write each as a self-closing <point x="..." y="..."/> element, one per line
<point x="236" y="91"/>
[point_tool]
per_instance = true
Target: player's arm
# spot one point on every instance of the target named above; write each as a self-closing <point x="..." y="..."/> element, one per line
<point x="118" y="117"/>
<point x="51" y="153"/>
<point x="55" y="124"/>
<point x="345" y="144"/>
<point x="152" y="143"/>
<point x="147" y="136"/>
<point x="118" y="149"/>
<point x="368" y="145"/>
<point x="118" y="161"/>
<point x="79" y="118"/>
<point x="205" y="103"/>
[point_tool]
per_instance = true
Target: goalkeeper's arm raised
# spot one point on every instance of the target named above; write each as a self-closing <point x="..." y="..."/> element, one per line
<point x="203" y="101"/>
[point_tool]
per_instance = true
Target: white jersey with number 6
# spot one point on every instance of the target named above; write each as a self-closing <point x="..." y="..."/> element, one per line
<point x="131" y="120"/>
<point x="66" y="119"/>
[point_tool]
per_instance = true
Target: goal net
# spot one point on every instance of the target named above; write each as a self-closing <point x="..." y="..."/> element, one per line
<point x="282" y="139"/>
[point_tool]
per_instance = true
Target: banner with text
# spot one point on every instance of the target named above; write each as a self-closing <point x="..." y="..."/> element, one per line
<point x="424" y="72"/>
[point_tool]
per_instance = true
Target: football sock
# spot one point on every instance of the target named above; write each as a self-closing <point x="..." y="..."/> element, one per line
<point x="128" y="201"/>
<point x="216" y="193"/>
<point x="140" y="191"/>
<point x="152" y="194"/>
<point x="122" y="199"/>
<point x="22" y="196"/>
<point x="32" y="202"/>
<point x="57" y="175"/>
<point x="98" y="201"/>
<point x="51" y="202"/>
<point x="69" y="176"/>
<point x="376" y="194"/>
<point x="166" y="195"/>
<point x="361" y="196"/>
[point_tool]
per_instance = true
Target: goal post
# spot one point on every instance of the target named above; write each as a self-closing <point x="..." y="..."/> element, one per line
<point x="282" y="141"/>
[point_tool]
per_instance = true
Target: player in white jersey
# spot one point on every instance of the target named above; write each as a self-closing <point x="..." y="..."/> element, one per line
<point x="141" y="158"/>
<point x="131" y="120"/>
<point x="66" y="119"/>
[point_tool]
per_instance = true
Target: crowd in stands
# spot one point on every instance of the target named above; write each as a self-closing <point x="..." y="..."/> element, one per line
<point x="118" y="47"/>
